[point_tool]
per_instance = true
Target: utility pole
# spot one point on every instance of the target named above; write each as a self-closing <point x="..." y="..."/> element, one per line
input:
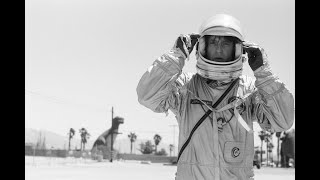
<point x="111" y="136"/>
<point x="114" y="126"/>
<point x="278" y="134"/>
<point x="261" y="152"/>
<point x="267" y="150"/>
<point x="174" y="137"/>
<point x="278" y="152"/>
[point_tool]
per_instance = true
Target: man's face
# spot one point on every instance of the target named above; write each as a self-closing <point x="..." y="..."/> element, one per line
<point x="220" y="49"/>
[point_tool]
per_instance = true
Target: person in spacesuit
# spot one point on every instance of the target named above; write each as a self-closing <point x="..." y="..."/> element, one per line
<point x="216" y="106"/>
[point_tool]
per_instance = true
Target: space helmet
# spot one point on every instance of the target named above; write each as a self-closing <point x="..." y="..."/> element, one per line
<point x="220" y="25"/>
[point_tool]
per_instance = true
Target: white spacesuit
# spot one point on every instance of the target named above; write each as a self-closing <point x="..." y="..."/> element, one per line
<point x="221" y="146"/>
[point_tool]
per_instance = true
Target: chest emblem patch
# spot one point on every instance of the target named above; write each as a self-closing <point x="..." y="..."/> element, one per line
<point x="235" y="152"/>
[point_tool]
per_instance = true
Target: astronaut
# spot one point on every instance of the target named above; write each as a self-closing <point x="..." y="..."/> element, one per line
<point x="216" y="106"/>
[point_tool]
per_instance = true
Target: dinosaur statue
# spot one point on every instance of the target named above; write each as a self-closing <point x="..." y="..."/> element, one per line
<point x="102" y="145"/>
<point x="287" y="148"/>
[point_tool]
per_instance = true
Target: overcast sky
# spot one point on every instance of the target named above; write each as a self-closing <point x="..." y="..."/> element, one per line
<point x="84" y="57"/>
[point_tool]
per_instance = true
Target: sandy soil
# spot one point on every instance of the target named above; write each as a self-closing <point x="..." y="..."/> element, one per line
<point x="40" y="168"/>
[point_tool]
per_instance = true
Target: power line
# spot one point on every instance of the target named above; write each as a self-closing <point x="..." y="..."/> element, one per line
<point x="63" y="101"/>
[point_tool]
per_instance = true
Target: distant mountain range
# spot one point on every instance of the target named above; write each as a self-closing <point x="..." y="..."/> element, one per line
<point x="57" y="141"/>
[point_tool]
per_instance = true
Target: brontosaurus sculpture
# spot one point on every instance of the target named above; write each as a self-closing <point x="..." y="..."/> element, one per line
<point x="103" y="144"/>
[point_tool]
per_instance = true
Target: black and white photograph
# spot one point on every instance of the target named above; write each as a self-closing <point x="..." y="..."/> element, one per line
<point x="159" y="89"/>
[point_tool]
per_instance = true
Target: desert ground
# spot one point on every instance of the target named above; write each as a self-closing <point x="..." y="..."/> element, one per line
<point x="52" y="168"/>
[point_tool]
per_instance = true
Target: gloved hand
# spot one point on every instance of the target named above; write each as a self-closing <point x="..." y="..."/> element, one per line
<point x="186" y="43"/>
<point x="256" y="55"/>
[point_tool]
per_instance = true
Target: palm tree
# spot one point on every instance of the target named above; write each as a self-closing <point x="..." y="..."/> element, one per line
<point x="133" y="137"/>
<point x="84" y="136"/>
<point x="278" y="134"/>
<point x="262" y="135"/>
<point x="157" y="139"/>
<point x="71" y="134"/>
<point x="171" y="148"/>
<point x="269" y="146"/>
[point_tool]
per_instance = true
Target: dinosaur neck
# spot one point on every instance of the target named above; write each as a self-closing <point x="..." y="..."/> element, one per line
<point x="115" y="127"/>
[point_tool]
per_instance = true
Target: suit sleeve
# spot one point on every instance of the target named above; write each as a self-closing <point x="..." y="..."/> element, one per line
<point x="274" y="104"/>
<point x="158" y="88"/>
